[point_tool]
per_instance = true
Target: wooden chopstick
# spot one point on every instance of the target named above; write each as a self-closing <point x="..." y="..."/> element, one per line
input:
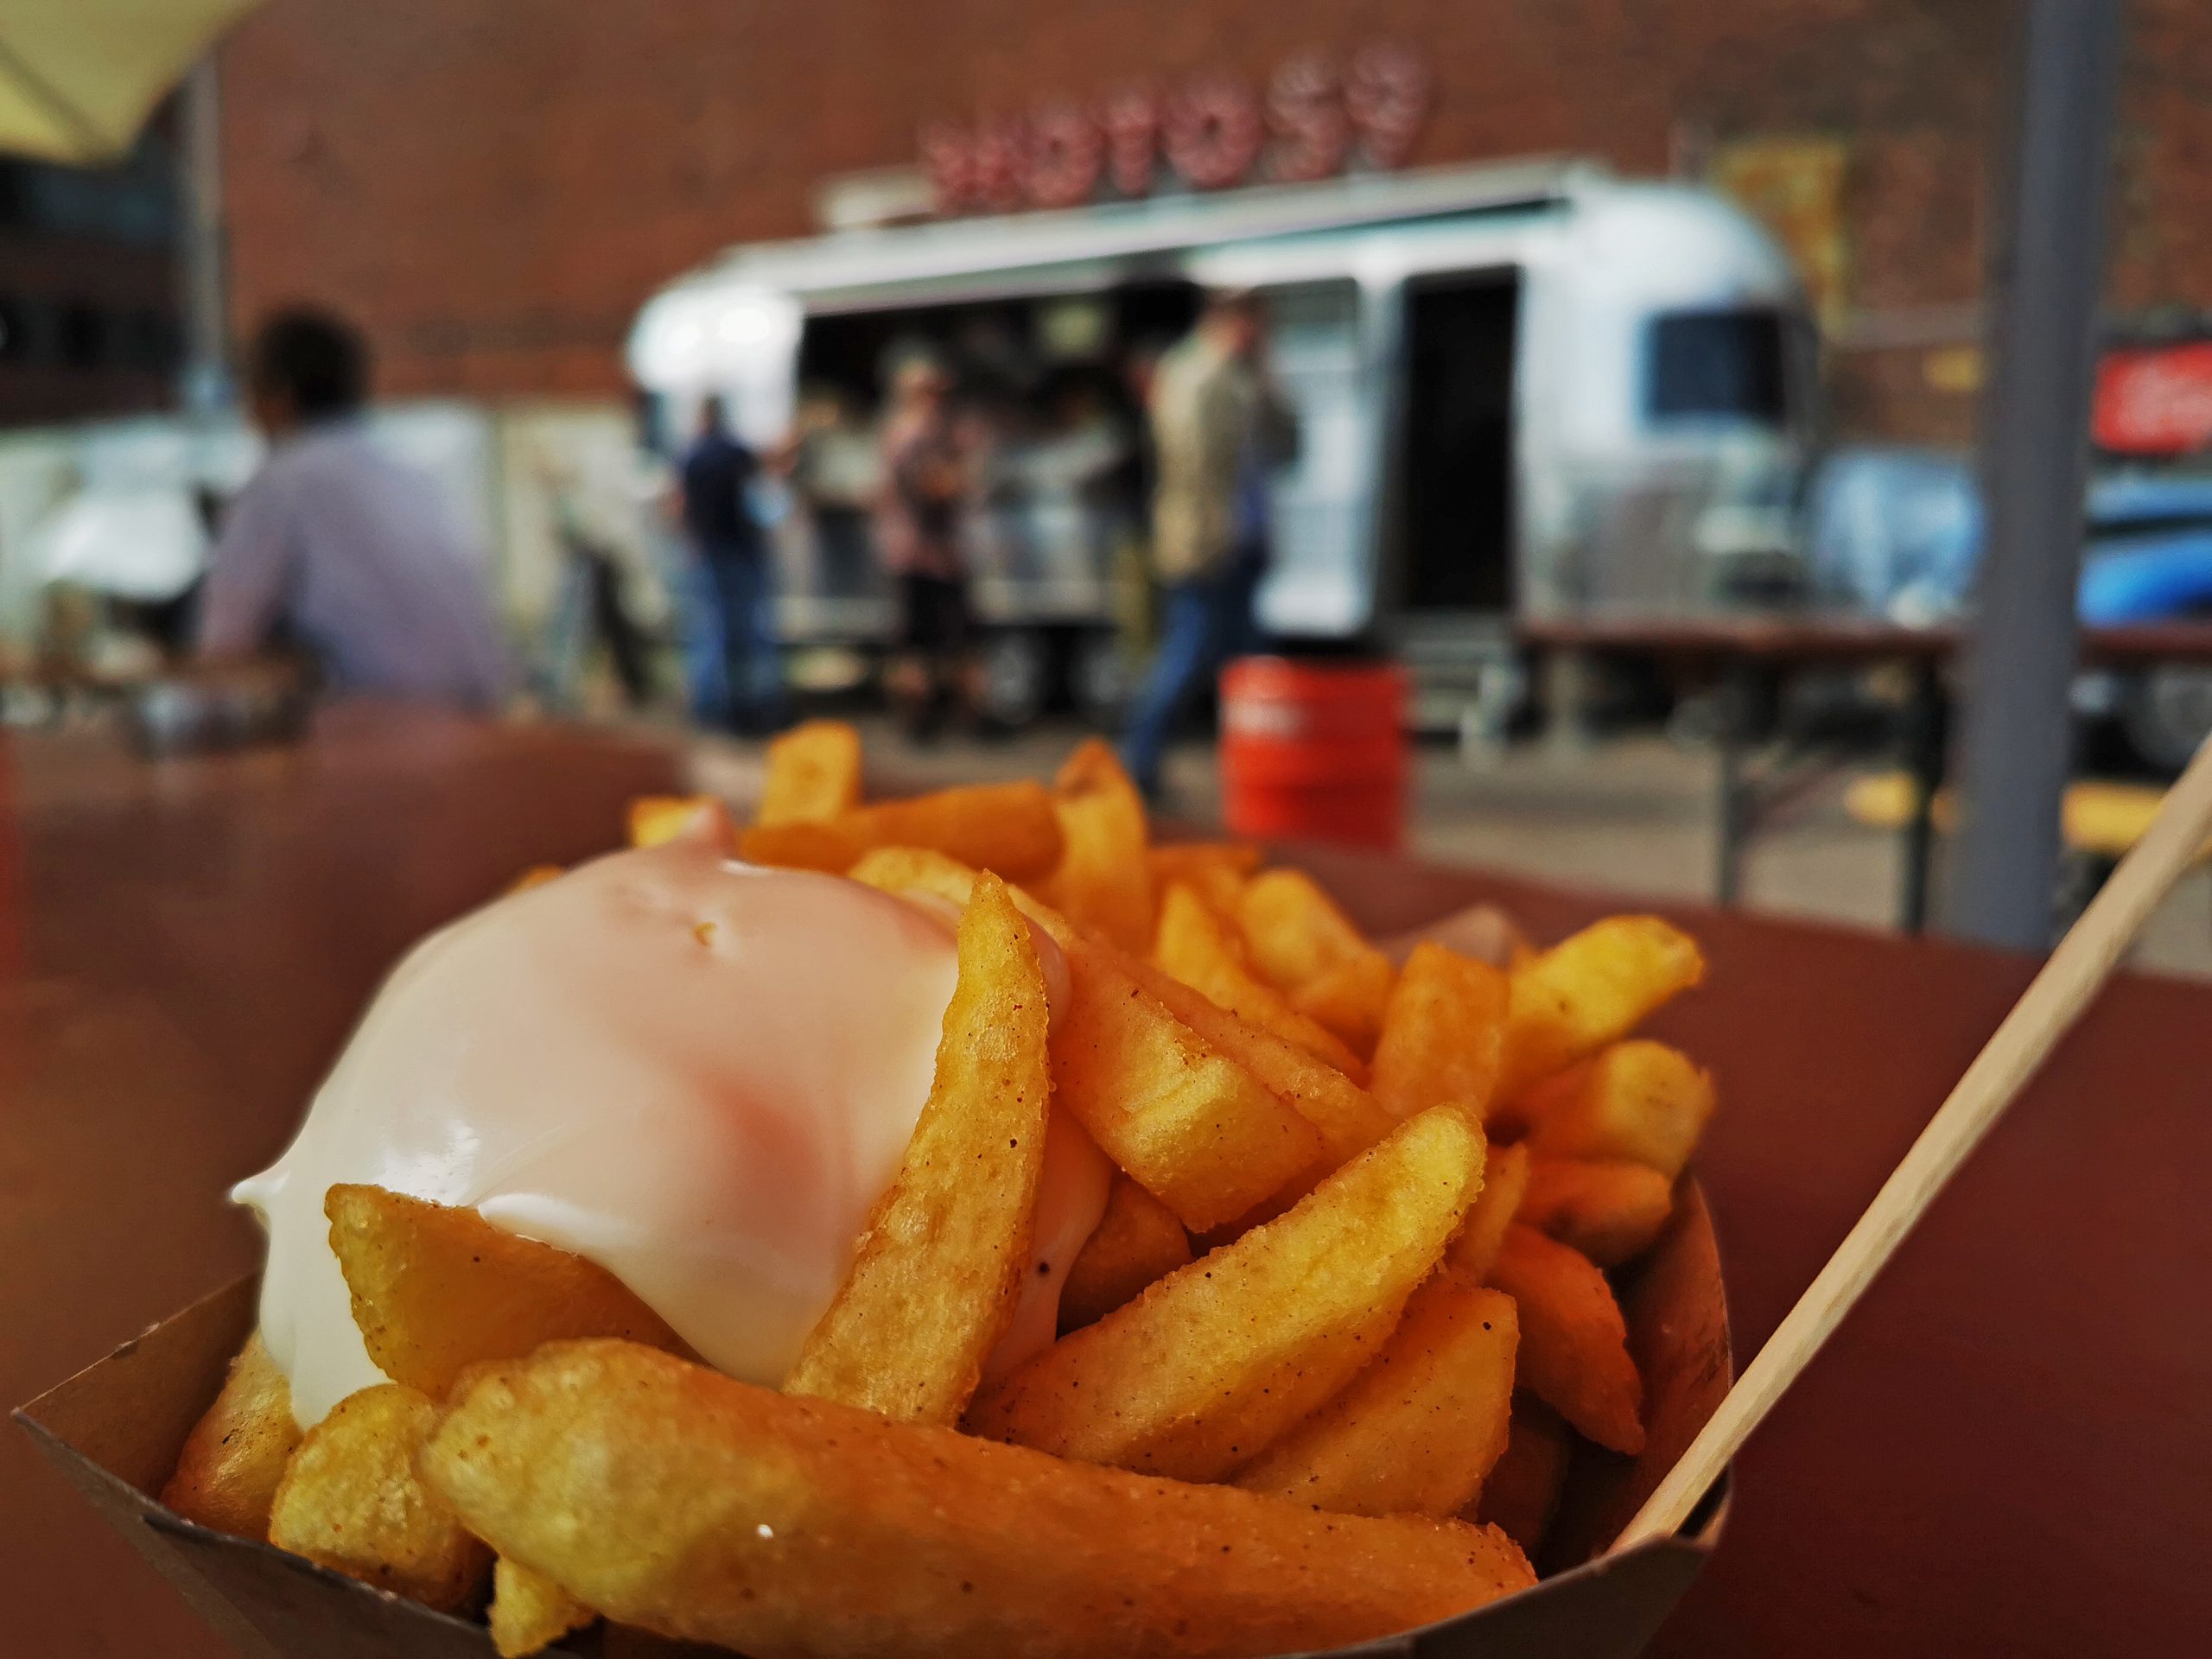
<point x="2067" y="984"/>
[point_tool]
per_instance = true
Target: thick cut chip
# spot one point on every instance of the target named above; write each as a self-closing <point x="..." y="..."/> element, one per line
<point x="1008" y="828"/>
<point x="1212" y="1363"/>
<point x="1346" y="1115"/>
<point x="1195" y="946"/>
<point x="1638" y="1100"/>
<point x="1441" y="1033"/>
<point x="1350" y="999"/>
<point x="1195" y="1129"/>
<point x="814" y="774"/>
<point x="437" y="1288"/>
<point x="1474" y="1248"/>
<point x="1522" y="1493"/>
<point x="1103" y="880"/>
<point x="351" y="1501"/>
<point x="1295" y="931"/>
<point x="831" y="847"/>
<point x="1573" y="1341"/>
<point x="227" y="1474"/>
<point x="1136" y="1241"/>
<point x="682" y="1501"/>
<point x="1200" y="1132"/>
<point x="1610" y="1211"/>
<point x="933" y="1285"/>
<point x="655" y="819"/>
<point x="1215" y="870"/>
<point x="1415" y="1432"/>
<point x="1590" y="990"/>
<point x="529" y="1610"/>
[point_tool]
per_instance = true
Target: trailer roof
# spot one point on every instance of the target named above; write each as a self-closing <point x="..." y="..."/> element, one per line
<point x="858" y="267"/>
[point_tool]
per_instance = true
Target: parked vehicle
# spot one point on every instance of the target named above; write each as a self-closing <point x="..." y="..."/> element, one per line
<point x="1898" y="532"/>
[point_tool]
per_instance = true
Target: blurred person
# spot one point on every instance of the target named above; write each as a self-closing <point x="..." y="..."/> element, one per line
<point x="590" y="607"/>
<point x="735" y="675"/>
<point x="927" y="473"/>
<point x="1218" y="428"/>
<point x="339" y="549"/>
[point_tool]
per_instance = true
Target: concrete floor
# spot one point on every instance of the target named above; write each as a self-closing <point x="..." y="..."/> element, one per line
<point x="1633" y="816"/>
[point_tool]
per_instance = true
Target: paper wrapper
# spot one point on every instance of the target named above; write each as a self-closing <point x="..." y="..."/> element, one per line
<point x="114" y="1430"/>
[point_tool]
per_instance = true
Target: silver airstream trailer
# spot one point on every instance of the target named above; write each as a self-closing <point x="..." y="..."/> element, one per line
<point x="1531" y="389"/>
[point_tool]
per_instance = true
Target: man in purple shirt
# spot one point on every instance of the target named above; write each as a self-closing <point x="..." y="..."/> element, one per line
<point x="341" y="550"/>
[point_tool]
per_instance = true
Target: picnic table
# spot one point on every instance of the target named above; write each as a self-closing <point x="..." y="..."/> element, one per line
<point x="2002" y="1451"/>
<point x="1748" y="658"/>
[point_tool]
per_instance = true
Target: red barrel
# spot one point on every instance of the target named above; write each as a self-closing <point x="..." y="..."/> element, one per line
<point x="1314" y="750"/>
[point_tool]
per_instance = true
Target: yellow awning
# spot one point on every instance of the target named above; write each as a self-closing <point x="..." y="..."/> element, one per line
<point x="79" y="78"/>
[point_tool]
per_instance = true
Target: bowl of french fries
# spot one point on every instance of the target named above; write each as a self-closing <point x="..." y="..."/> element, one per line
<point x="1399" y="1292"/>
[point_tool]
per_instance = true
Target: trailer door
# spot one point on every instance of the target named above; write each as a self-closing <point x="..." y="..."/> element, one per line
<point x="1456" y="484"/>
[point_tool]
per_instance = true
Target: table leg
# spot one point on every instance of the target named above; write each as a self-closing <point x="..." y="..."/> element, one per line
<point x="1738" y="692"/>
<point x="1924" y="759"/>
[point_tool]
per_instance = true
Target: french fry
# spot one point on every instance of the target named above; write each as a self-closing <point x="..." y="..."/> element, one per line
<point x="351" y="1501"/>
<point x="1008" y="828"/>
<point x="1415" y="1432"/>
<point x="1441" y="1034"/>
<point x="1295" y="931"/>
<point x="1136" y="1241"/>
<point x="678" y="1500"/>
<point x="814" y="774"/>
<point x="1573" y="1341"/>
<point x="536" y="876"/>
<point x="1474" y="1248"/>
<point x="1350" y="999"/>
<point x="1217" y="1360"/>
<point x="1103" y="881"/>
<point x="1638" y="1100"/>
<point x="1609" y="1211"/>
<point x="227" y="1474"/>
<point x="655" y="819"/>
<point x="529" y="1610"/>
<point x="1195" y="946"/>
<point x="1215" y="870"/>
<point x="1521" y="1492"/>
<point x="933" y="1286"/>
<point x="437" y="1288"/>
<point x="1590" y="990"/>
<point x="1347" y="1116"/>
<point x="832" y="847"/>
<point x="1195" y="1129"/>
<point x="1199" y="1132"/>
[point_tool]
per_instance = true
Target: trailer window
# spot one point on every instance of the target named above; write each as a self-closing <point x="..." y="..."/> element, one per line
<point x="1708" y="365"/>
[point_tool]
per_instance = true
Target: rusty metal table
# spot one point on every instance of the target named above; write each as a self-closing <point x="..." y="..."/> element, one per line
<point x="1749" y="657"/>
<point x="2005" y="1450"/>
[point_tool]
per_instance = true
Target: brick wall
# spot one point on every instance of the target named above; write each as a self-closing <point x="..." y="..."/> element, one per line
<point x="494" y="187"/>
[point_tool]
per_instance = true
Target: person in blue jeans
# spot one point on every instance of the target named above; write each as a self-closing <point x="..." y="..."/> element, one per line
<point x="1218" y="428"/>
<point x="730" y="661"/>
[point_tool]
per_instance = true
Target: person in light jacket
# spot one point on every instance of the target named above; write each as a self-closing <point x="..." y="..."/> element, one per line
<point x="1218" y="429"/>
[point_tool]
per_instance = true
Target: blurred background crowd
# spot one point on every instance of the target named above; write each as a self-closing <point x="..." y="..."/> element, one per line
<point x="998" y="370"/>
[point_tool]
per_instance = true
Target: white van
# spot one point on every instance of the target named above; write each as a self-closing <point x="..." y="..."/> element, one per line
<point x="1527" y="390"/>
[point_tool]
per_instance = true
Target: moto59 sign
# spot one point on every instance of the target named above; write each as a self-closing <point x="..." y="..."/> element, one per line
<point x="1315" y="118"/>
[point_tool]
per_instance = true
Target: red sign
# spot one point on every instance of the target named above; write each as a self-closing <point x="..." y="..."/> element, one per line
<point x="2154" y="400"/>
<point x="1313" y="120"/>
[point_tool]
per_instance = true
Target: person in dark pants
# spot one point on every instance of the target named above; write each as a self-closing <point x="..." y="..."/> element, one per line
<point x="730" y="658"/>
<point x="1218" y="426"/>
<point x="926" y="468"/>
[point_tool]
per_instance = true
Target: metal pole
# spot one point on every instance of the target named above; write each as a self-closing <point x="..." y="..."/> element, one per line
<point x="2047" y="259"/>
<point x="207" y="386"/>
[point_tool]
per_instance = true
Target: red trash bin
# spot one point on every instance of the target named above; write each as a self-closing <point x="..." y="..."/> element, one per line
<point x="1314" y="750"/>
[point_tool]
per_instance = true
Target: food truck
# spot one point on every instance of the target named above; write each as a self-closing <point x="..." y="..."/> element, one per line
<point x="1520" y="390"/>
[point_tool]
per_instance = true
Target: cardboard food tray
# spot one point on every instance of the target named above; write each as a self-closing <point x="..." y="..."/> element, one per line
<point x="115" y="1429"/>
